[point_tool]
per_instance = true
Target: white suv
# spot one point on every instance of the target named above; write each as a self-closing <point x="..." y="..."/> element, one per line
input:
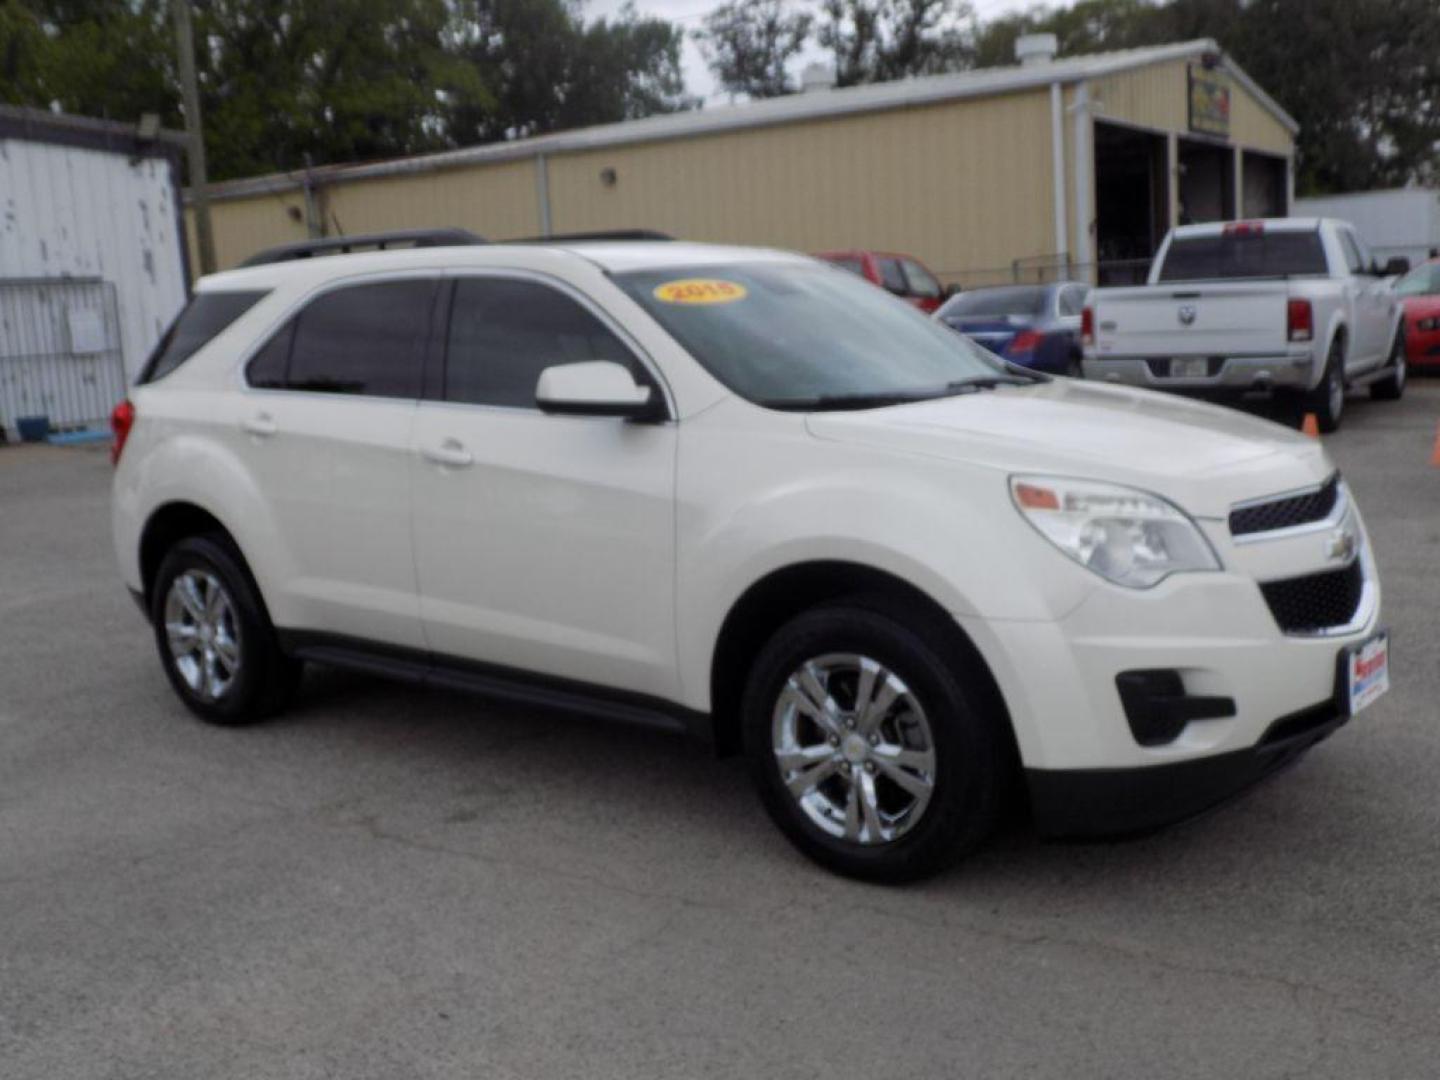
<point x="743" y="493"/>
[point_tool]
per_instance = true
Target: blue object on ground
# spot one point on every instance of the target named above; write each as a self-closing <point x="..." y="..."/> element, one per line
<point x="79" y="438"/>
<point x="32" y="428"/>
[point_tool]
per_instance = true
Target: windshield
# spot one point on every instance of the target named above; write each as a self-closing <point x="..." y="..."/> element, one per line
<point x="1250" y="254"/>
<point x="1025" y="301"/>
<point x="1421" y="281"/>
<point x="792" y="335"/>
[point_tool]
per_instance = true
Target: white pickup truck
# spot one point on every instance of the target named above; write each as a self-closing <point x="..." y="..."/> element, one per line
<point x="1293" y="305"/>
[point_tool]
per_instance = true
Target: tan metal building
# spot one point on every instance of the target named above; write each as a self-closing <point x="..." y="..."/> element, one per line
<point x="1053" y="166"/>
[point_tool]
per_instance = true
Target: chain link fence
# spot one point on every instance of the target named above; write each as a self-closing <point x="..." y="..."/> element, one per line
<point x="1044" y="269"/>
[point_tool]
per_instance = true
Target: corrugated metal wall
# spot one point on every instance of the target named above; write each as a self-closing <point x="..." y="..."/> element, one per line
<point x="961" y="185"/>
<point x="1158" y="97"/>
<point x="71" y="211"/>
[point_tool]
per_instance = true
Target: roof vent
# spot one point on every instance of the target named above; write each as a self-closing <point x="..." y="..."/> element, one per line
<point x="817" y="76"/>
<point x="1036" y="48"/>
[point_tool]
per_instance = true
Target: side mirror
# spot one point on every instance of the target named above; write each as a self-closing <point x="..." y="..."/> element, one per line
<point x="595" y="388"/>
<point x="1396" y="266"/>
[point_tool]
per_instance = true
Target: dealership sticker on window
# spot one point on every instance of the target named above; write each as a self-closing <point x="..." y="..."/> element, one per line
<point x="700" y="291"/>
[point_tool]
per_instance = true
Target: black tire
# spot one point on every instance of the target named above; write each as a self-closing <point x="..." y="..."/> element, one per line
<point x="264" y="679"/>
<point x="1392" y="386"/>
<point x="972" y="767"/>
<point x="1074" y="367"/>
<point x="1323" y="401"/>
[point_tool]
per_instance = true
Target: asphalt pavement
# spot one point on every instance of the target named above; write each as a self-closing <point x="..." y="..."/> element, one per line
<point x="387" y="883"/>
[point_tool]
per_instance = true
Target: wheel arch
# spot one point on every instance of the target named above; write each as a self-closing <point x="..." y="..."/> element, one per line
<point x="166" y="526"/>
<point x="785" y="592"/>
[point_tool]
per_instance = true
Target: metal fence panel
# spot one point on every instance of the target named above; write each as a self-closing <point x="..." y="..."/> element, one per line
<point x="60" y="352"/>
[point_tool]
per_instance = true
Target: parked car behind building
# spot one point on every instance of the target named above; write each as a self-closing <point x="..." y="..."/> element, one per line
<point x="1037" y="326"/>
<point x="906" y="277"/>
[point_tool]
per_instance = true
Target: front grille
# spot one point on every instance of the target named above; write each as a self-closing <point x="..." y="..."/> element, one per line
<point x="1315" y="602"/>
<point x="1284" y="513"/>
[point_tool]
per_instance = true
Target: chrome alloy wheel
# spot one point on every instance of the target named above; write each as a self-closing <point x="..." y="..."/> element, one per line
<point x="204" y="634"/>
<point x="854" y="748"/>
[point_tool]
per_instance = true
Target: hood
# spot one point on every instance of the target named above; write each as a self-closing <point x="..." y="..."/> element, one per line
<point x="1202" y="457"/>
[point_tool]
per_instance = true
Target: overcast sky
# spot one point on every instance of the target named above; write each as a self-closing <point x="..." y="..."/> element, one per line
<point x="690" y="14"/>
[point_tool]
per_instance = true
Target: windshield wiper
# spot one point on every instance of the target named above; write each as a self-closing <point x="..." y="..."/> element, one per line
<point x="1017" y="376"/>
<point x="990" y="382"/>
<point x="824" y="402"/>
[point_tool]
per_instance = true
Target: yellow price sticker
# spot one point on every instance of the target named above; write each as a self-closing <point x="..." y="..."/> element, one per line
<point x="700" y="291"/>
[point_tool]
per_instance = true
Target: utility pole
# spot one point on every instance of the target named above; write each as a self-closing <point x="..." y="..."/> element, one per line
<point x="195" y="136"/>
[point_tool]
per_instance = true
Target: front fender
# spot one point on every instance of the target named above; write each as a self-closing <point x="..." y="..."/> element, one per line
<point x="950" y="531"/>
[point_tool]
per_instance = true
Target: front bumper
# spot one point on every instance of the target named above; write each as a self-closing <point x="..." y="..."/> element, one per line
<point x="1422" y="348"/>
<point x="1232" y="374"/>
<point x="1214" y="633"/>
<point x="1074" y="803"/>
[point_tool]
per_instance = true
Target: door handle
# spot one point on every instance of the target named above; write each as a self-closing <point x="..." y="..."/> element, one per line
<point x="262" y="424"/>
<point x="450" y="452"/>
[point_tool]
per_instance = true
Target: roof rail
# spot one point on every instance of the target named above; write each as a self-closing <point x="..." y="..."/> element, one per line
<point x="343" y="245"/>
<point x="603" y="234"/>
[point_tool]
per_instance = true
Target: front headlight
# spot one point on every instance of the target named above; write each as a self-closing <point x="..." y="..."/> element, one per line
<point x="1126" y="536"/>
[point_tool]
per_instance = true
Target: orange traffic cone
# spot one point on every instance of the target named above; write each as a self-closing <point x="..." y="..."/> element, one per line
<point x="1311" y="426"/>
<point x="1435" y="453"/>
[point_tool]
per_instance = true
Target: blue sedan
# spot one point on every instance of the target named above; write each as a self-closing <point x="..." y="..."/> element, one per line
<point x="1037" y="326"/>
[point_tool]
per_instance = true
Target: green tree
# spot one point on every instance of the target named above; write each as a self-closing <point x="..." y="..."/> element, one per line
<point x="1085" y="27"/>
<point x="549" y="70"/>
<point x="283" y="82"/>
<point x="748" y="43"/>
<point x="1362" y="78"/>
<point x="879" y="40"/>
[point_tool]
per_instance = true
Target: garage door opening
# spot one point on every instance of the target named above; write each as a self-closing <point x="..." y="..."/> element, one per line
<point x="1132" y="201"/>
<point x="1207" y="182"/>
<point x="1266" y="186"/>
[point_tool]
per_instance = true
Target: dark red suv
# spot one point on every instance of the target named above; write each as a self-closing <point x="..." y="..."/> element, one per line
<point x="903" y="275"/>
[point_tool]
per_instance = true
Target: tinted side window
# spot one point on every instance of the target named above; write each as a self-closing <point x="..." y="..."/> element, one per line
<point x="199" y="321"/>
<point x="504" y="332"/>
<point x="364" y="339"/>
<point x="1421" y="281"/>
<point x="855" y="266"/>
<point x="922" y="282"/>
<point x="891" y="276"/>
<point x="267" y="368"/>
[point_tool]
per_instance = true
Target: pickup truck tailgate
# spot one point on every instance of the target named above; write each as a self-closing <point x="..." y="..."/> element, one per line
<point x="1243" y="319"/>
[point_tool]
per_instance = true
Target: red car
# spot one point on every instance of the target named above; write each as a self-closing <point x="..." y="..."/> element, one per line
<point x="1420" y="291"/>
<point x="903" y="275"/>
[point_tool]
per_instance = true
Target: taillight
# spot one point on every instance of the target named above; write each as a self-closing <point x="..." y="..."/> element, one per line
<point x="1299" y="320"/>
<point x="122" y="419"/>
<point x="1023" y="342"/>
<point x="1244" y="228"/>
<point x="1087" y="326"/>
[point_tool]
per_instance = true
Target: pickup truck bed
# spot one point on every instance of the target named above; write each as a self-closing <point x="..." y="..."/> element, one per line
<point x="1289" y="305"/>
